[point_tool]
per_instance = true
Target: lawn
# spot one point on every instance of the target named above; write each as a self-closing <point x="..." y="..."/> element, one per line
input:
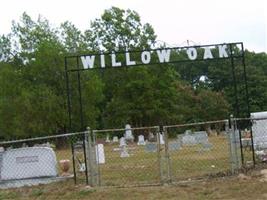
<point x="222" y="188"/>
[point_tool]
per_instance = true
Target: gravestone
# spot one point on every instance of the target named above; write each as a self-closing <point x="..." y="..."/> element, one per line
<point x="201" y="137"/>
<point x="151" y="137"/>
<point x="100" y="154"/>
<point x="173" y="146"/>
<point x="29" y="162"/>
<point x="115" y="139"/>
<point x="1" y="159"/>
<point x="180" y="137"/>
<point x="107" y="139"/>
<point x="141" y="140"/>
<point x="161" y="140"/>
<point x="188" y="138"/>
<point x="151" y="147"/>
<point x="128" y="133"/>
<point x="124" y="152"/>
<point x="122" y="142"/>
<point x="205" y="147"/>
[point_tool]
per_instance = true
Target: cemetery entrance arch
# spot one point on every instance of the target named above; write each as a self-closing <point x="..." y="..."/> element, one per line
<point x="233" y="52"/>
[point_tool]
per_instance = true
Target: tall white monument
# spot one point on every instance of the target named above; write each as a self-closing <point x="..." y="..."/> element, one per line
<point x="128" y="133"/>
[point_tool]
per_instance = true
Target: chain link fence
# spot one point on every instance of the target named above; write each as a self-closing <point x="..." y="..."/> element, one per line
<point x="136" y="156"/>
<point x="127" y="156"/>
<point x="42" y="160"/>
<point x="197" y="150"/>
<point x="253" y="139"/>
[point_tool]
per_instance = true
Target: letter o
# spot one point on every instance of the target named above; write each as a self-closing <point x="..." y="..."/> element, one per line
<point x="192" y="53"/>
<point x="145" y="57"/>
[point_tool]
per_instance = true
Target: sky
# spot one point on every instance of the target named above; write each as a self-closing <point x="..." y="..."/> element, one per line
<point x="174" y="21"/>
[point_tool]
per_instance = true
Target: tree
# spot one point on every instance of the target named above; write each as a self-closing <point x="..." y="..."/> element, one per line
<point x="34" y="97"/>
<point x="118" y="29"/>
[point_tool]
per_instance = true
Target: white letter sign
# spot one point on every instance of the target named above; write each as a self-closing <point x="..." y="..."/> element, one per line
<point x="88" y="61"/>
<point x="192" y="53"/>
<point x="164" y="55"/>
<point x="222" y="51"/>
<point x="102" y="60"/>
<point x="137" y="57"/>
<point x="145" y="57"/>
<point x="207" y="53"/>
<point x="114" y="62"/>
<point x="128" y="60"/>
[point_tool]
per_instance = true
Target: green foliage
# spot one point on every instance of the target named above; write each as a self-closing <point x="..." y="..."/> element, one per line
<point x="118" y="29"/>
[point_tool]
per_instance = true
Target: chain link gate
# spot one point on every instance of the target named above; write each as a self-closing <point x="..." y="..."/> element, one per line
<point x="117" y="159"/>
<point x="159" y="155"/>
<point x="198" y="150"/>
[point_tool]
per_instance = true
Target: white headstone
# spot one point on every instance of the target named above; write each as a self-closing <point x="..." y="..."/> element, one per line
<point x="82" y="167"/>
<point x="122" y="142"/>
<point x="128" y="132"/>
<point x="100" y="154"/>
<point x="115" y="139"/>
<point x="141" y="140"/>
<point x="107" y="139"/>
<point x="151" y="136"/>
<point x="124" y="152"/>
<point x="201" y="137"/>
<point x="151" y="147"/>
<point x="173" y="146"/>
<point x="189" y="139"/>
<point x="161" y="140"/>
<point x="259" y="129"/>
<point x="29" y="162"/>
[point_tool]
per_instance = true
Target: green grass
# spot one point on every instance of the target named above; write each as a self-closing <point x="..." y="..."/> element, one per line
<point x="223" y="188"/>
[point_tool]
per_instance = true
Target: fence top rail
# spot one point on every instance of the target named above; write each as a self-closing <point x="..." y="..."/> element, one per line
<point x="41" y="138"/>
<point x="251" y="118"/>
<point x="197" y="123"/>
<point x="123" y="129"/>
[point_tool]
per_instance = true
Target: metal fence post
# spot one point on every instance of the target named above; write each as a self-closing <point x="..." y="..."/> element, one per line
<point x="159" y="155"/>
<point x="167" y="156"/>
<point x="91" y="159"/>
<point x="85" y="139"/>
<point x="95" y="160"/>
<point x="234" y="144"/>
<point x="89" y="155"/>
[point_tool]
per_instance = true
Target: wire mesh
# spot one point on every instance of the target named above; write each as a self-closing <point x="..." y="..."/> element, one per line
<point x="128" y="156"/>
<point x="197" y="150"/>
<point x="253" y="133"/>
<point x="136" y="156"/>
<point x="42" y="160"/>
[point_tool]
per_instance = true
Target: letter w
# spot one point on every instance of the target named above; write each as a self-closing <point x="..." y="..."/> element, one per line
<point x="164" y="55"/>
<point x="88" y="61"/>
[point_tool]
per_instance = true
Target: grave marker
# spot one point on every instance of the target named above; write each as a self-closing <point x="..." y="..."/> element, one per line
<point x="122" y="142"/>
<point x="128" y="133"/>
<point x="115" y="139"/>
<point x="151" y="147"/>
<point x="141" y="140"/>
<point x="29" y="162"/>
<point x="100" y="154"/>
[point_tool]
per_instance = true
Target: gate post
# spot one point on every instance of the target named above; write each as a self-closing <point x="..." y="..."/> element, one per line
<point x="159" y="155"/>
<point x="167" y="156"/>
<point x="163" y="157"/>
<point x="234" y="145"/>
<point x="91" y="159"/>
